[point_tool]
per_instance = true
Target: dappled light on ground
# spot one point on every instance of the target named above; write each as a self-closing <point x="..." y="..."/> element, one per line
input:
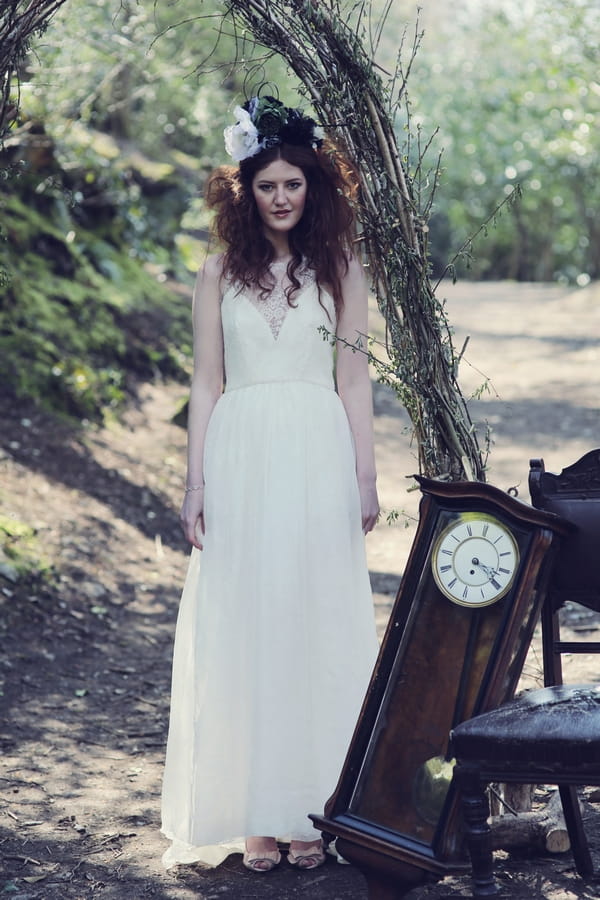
<point x="86" y="648"/>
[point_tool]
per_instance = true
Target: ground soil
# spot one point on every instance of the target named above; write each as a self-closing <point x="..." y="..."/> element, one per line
<point x="86" y="652"/>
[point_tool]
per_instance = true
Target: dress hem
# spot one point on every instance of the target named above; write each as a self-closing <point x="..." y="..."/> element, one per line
<point x="211" y="855"/>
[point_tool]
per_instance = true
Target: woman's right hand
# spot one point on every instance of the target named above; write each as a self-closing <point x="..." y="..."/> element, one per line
<point x="192" y="517"/>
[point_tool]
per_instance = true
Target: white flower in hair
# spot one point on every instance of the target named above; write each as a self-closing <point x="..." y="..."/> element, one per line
<point x="241" y="139"/>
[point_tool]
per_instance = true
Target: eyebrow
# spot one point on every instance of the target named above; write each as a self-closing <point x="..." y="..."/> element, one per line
<point x="285" y="180"/>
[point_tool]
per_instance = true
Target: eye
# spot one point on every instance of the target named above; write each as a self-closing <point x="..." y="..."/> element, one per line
<point x="294" y="185"/>
<point x="265" y="187"/>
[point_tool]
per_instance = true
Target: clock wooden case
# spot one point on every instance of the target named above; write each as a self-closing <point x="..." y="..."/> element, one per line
<point x="454" y="647"/>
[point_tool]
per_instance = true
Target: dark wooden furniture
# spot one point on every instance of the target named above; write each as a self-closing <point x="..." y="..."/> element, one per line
<point x="454" y="647"/>
<point x="550" y="735"/>
<point x="573" y="494"/>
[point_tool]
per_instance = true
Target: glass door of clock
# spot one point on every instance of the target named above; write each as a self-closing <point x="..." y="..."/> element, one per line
<point x="436" y="676"/>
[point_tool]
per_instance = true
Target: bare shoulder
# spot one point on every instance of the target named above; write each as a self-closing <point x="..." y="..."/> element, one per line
<point x="208" y="290"/>
<point x="209" y="282"/>
<point x="354" y="282"/>
<point x="354" y="274"/>
<point x="355" y="266"/>
<point x="212" y="269"/>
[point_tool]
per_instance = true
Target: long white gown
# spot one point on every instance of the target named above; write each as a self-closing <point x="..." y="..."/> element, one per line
<point x="275" y="638"/>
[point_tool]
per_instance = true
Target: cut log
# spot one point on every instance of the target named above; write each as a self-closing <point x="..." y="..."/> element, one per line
<point x="542" y="829"/>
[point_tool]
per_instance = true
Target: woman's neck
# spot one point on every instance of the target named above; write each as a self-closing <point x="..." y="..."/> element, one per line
<point x="281" y="246"/>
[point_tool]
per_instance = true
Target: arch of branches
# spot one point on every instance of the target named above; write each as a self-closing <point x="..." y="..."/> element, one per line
<point x="331" y="48"/>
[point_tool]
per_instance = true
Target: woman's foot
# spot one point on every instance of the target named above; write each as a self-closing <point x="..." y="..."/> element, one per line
<point x="262" y="854"/>
<point x="306" y="854"/>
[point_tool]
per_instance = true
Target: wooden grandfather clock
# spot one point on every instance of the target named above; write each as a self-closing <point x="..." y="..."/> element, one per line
<point x="454" y="647"/>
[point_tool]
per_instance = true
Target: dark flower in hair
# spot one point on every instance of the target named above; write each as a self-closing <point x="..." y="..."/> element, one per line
<point x="299" y="129"/>
<point x="269" y="117"/>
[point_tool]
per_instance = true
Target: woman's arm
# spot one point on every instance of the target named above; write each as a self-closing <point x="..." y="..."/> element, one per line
<point x="354" y="387"/>
<point x="207" y="384"/>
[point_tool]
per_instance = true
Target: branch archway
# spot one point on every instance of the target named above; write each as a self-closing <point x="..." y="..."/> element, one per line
<point x="347" y="91"/>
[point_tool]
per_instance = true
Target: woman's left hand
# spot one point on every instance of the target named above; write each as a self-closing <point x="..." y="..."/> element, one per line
<point x="369" y="504"/>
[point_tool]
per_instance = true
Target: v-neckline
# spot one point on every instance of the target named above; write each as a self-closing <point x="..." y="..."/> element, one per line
<point x="264" y="319"/>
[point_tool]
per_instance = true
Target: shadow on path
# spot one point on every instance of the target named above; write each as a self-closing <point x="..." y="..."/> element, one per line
<point x="57" y="450"/>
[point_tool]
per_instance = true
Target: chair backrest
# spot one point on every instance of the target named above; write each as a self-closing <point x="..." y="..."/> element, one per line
<point x="574" y="495"/>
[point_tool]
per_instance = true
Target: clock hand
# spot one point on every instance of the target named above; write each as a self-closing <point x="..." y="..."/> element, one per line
<point x="489" y="571"/>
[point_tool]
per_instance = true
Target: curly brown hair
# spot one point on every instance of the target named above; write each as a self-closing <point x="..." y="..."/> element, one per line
<point x="323" y="237"/>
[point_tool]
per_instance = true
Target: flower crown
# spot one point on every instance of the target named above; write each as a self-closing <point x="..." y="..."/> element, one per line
<point x="264" y="122"/>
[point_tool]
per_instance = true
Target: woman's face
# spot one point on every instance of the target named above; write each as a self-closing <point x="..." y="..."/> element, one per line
<point x="280" y="194"/>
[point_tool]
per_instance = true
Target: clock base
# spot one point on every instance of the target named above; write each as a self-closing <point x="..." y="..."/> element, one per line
<point x="387" y="878"/>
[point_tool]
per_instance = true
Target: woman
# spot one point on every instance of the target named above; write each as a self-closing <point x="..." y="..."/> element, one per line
<point x="275" y="638"/>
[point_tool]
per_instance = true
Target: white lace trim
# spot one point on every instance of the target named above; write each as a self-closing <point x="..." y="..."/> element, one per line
<point x="275" y="307"/>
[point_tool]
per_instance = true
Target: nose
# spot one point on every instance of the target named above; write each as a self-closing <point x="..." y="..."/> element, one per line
<point x="280" y="196"/>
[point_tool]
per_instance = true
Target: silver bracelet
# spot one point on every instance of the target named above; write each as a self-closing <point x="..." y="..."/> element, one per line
<point x="194" y="487"/>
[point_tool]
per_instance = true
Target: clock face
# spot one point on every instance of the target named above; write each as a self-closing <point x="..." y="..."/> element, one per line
<point x="475" y="559"/>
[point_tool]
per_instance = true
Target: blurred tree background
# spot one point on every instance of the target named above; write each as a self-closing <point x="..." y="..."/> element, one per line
<point x="514" y="89"/>
<point x="122" y="110"/>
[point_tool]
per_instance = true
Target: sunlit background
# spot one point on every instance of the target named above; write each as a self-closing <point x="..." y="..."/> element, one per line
<point x="511" y="87"/>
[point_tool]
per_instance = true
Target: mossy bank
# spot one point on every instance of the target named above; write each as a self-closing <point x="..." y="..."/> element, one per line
<point x="89" y="258"/>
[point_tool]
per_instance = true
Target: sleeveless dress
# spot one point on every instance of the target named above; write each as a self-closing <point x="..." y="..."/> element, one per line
<point x="275" y="638"/>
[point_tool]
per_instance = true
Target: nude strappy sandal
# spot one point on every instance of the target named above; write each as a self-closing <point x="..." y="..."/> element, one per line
<point x="307" y="859"/>
<point x="261" y="860"/>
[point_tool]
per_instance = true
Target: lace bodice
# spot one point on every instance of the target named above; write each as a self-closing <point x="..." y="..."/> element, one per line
<point x="270" y="341"/>
<point x="274" y="307"/>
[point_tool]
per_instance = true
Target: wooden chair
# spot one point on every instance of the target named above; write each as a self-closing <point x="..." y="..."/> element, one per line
<point x="574" y="495"/>
<point x="551" y="735"/>
<point x="546" y="736"/>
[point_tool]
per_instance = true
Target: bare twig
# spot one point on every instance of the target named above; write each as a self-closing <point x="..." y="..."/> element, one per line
<point x="20" y="21"/>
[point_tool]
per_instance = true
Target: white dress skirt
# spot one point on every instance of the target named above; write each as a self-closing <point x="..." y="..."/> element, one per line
<point x="275" y="639"/>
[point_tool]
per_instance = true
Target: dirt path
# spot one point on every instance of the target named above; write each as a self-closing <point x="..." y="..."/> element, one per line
<point x="85" y="658"/>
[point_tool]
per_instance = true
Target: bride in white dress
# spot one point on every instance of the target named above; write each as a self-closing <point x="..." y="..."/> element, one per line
<point x="275" y="637"/>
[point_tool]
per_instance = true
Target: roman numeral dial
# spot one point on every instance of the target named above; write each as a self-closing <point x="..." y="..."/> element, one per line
<point x="475" y="559"/>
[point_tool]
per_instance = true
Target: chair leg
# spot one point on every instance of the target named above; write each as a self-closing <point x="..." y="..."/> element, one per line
<point x="579" y="844"/>
<point x="476" y="810"/>
<point x="550" y="638"/>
